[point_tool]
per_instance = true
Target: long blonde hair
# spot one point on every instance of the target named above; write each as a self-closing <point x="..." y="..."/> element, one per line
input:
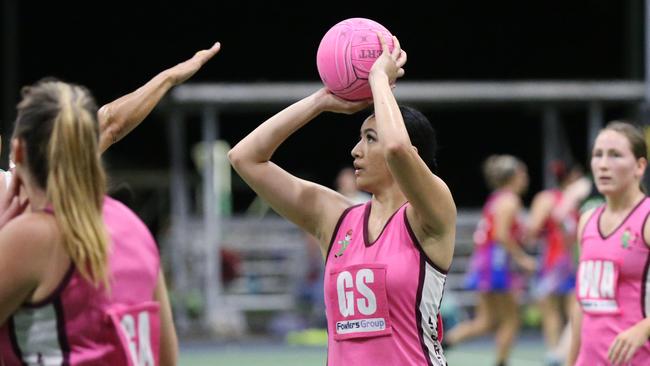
<point x="58" y="123"/>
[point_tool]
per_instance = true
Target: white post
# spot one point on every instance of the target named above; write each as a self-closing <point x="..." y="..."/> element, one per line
<point x="211" y="216"/>
<point x="179" y="215"/>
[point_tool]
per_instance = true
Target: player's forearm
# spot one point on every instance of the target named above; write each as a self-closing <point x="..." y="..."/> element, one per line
<point x="259" y="145"/>
<point x="576" y="324"/>
<point x="121" y="116"/>
<point x="390" y="122"/>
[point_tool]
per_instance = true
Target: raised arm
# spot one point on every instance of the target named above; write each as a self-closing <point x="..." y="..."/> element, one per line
<point x="433" y="214"/>
<point x="574" y="194"/>
<point x="313" y="207"/>
<point x="121" y="116"/>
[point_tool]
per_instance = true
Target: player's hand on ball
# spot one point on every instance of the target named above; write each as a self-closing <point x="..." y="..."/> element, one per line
<point x="332" y="103"/>
<point x="389" y="63"/>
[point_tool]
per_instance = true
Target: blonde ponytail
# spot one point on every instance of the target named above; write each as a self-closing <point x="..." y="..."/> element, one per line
<point x="72" y="172"/>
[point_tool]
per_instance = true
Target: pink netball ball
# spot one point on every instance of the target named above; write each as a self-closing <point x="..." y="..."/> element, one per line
<point x="347" y="52"/>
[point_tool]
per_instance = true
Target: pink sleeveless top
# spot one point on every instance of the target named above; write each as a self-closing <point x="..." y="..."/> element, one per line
<point x="382" y="298"/>
<point x="612" y="285"/>
<point x="81" y="325"/>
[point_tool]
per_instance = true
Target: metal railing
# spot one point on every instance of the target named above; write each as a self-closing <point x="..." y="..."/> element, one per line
<point x="209" y="100"/>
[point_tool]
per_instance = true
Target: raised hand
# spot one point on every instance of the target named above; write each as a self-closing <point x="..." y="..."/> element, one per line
<point x="389" y="63"/>
<point x="186" y="69"/>
<point x="332" y="103"/>
<point x="119" y="117"/>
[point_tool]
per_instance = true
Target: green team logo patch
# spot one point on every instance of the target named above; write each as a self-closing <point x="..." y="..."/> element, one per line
<point x="344" y="243"/>
<point x="627" y="238"/>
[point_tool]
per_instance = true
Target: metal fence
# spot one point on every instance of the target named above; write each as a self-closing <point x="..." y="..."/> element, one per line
<point x="209" y="100"/>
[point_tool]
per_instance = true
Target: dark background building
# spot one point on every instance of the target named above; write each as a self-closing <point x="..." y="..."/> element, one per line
<point x="114" y="47"/>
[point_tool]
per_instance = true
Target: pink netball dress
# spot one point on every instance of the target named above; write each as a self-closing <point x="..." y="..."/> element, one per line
<point x="382" y="298"/>
<point x="490" y="268"/>
<point x="612" y="285"/>
<point x="81" y="325"/>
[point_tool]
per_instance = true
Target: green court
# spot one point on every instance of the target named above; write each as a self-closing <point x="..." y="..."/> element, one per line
<point x="528" y="352"/>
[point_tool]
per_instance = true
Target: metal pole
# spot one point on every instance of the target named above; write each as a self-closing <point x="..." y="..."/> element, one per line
<point x="646" y="43"/>
<point x="645" y="107"/>
<point x="596" y="122"/>
<point x="179" y="216"/>
<point x="633" y="39"/>
<point x="211" y="219"/>
<point x="9" y="73"/>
